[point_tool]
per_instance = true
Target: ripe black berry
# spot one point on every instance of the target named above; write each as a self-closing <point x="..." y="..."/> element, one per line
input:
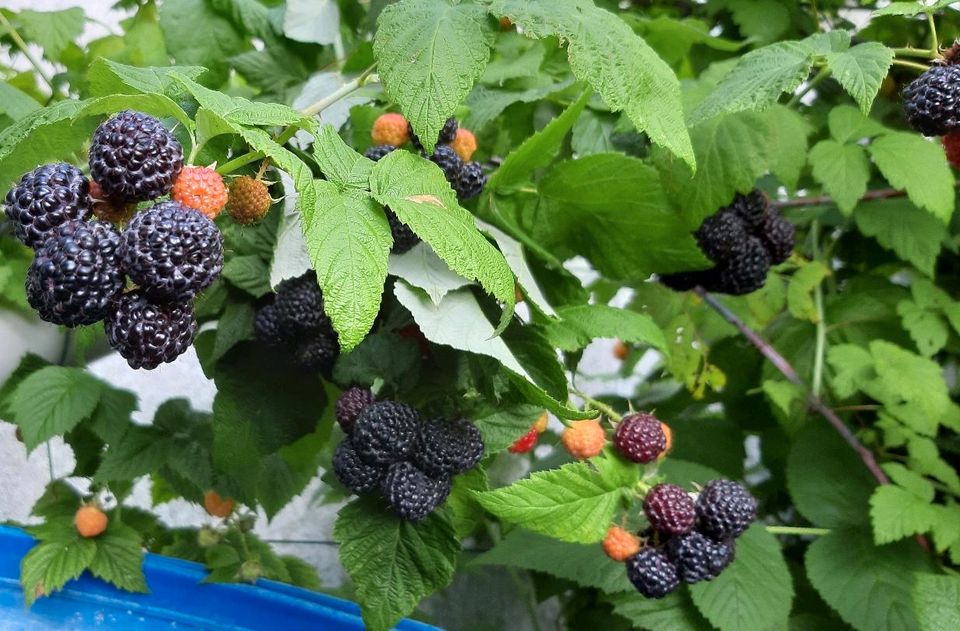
<point x="171" y="251"/>
<point x="725" y="509"/>
<point x="684" y="281"/>
<point x="744" y="273"/>
<point x="318" y="352"/>
<point x="386" y="432"/>
<point x="378" y="151"/>
<point x="931" y="102"/>
<point x="299" y="306"/>
<point x="640" y="437"/>
<point x="147" y="333"/>
<point x="351" y="403"/>
<point x="75" y="274"/>
<point x="652" y="573"/>
<point x="751" y="208"/>
<point x="45" y="198"/>
<point x="411" y="493"/>
<point x="449" y="162"/>
<point x="354" y="473"/>
<point x="471" y="181"/>
<point x="267" y="326"/>
<point x="447" y="134"/>
<point x="778" y="236"/>
<point x="699" y="558"/>
<point x="722" y="236"/>
<point x="133" y="157"/>
<point x="403" y="237"/>
<point x="447" y="448"/>
<point x="669" y="509"/>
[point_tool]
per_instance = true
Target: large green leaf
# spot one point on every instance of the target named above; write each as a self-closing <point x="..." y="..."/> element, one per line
<point x="843" y="170"/>
<point x="620" y="66"/>
<point x="53" y="30"/>
<point x="107" y="77"/>
<point x="429" y="53"/>
<point x="119" y="558"/>
<point x="675" y="612"/>
<point x="52" y="401"/>
<point x="914" y="235"/>
<point x="195" y="34"/>
<point x="582" y="323"/>
<point x="393" y="563"/>
<point x="861" y="70"/>
<point x="937" y="602"/>
<point x="919" y="166"/>
<point x="50" y="565"/>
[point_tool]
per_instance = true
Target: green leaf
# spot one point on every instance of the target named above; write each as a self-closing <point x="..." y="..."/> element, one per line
<point x="107" y="77"/>
<point x="141" y="451"/>
<point x="429" y="53"/>
<point x="416" y="190"/>
<point x="919" y="166"/>
<point x="53" y="30"/>
<point x="15" y="103"/>
<point x="758" y="80"/>
<point x="936" y="599"/>
<point x="52" y="401"/>
<point x="421" y="267"/>
<point x="49" y="566"/>
<point x="870" y="587"/>
<point x="513" y="252"/>
<point x="119" y="558"/>
<point x="901" y="8"/>
<point x="617" y="63"/>
<point x="155" y="104"/>
<point x="675" y="612"/>
<point x="801" y="287"/>
<point x="583" y="564"/>
<point x="239" y="111"/>
<point x="927" y="327"/>
<point x="248" y="273"/>
<point x="843" y="170"/>
<point x="848" y="123"/>
<point x="339" y="163"/>
<point x="897" y="513"/>
<point x="466" y="513"/>
<point x="861" y="70"/>
<point x="583" y="323"/>
<point x="915" y="236"/>
<point x="539" y="149"/>
<point x="611" y="209"/>
<point x="828" y="483"/>
<point x="182" y="20"/>
<point x="755" y="592"/>
<point x="504" y="426"/>
<point x="383" y="355"/>
<point x="348" y="239"/>
<point x="575" y="503"/>
<point x="392" y="563"/>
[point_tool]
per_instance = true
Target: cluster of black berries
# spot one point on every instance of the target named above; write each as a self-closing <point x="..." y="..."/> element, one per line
<point x="689" y="540"/>
<point x="411" y="462"/>
<point x="465" y="177"/>
<point x="296" y="322"/>
<point x="743" y="240"/>
<point x="931" y="102"/>
<point x="78" y="276"/>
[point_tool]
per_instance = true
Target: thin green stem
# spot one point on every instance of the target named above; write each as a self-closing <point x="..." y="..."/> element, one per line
<point x="351" y="86"/>
<point x="599" y="406"/>
<point x="821" y="342"/>
<point x="813" y="83"/>
<point x="910" y="51"/>
<point x="910" y="64"/>
<point x="239" y="161"/>
<point x="797" y="530"/>
<point x="22" y="45"/>
<point x="934" y="42"/>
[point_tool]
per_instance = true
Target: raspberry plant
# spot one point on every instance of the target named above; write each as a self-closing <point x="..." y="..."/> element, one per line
<point x="441" y="208"/>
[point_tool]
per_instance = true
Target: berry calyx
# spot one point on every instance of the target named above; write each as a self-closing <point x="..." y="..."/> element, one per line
<point x="951" y="146"/>
<point x="584" y="439"/>
<point x="725" y="509"/>
<point x="669" y="509"/>
<point x="652" y="573"/>
<point x="202" y="189"/>
<point x="351" y="403"/>
<point x="464" y="143"/>
<point x="390" y="129"/>
<point x="541" y="423"/>
<point x="248" y="200"/>
<point x="218" y="506"/>
<point x="525" y="443"/>
<point x="640" y="437"/>
<point x="619" y="544"/>
<point x="90" y="521"/>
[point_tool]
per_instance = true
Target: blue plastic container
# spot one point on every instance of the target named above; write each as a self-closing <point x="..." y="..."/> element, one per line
<point x="176" y="600"/>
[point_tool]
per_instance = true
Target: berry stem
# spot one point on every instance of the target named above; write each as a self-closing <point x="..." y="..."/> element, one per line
<point x="365" y="77"/>
<point x="22" y="45"/>
<point x="910" y="64"/>
<point x="239" y="161"/>
<point x="788" y="371"/>
<point x="599" y="406"/>
<point x="909" y="51"/>
<point x="796" y="530"/>
<point x="934" y="42"/>
<point x="821" y="341"/>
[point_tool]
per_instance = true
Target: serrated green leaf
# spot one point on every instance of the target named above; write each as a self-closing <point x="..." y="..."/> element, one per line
<point x="758" y="80"/>
<point x="418" y="193"/>
<point x="107" y="77"/>
<point x="141" y="451"/>
<point x="503" y="427"/>
<point x="914" y="235"/>
<point x="49" y="566"/>
<point x="539" y="149"/>
<point x="583" y="564"/>
<point x="611" y="209"/>
<point x="15" y="103"/>
<point x="754" y="592"/>
<point x="617" y="63"/>
<point x="861" y="71"/>
<point x="897" y="513"/>
<point x="674" y="612"/>
<point x="183" y="20"/>
<point x="52" y="30"/>
<point x="901" y="8"/>
<point x="155" y="104"/>
<point x="927" y="327"/>
<point x="584" y="323"/>
<point x="800" y="290"/>
<point x="240" y="111"/>
<point x="248" y="273"/>
<point x="119" y="559"/>
<point x="52" y="401"/>
<point x="848" y="123"/>
<point x="843" y="170"/>
<point x="575" y="503"/>
<point x="348" y="240"/>
<point x="339" y="163"/>
<point x="919" y="166"/>
<point x="854" y="577"/>
<point x="792" y="130"/>
<point x="394" y="564"/>
<point x="429" y="53"/>
<point x="937" y="602"/>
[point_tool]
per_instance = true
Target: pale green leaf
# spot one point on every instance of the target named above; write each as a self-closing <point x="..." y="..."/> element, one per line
<point x="513" y="252"/>
<point x="897" y="513"/>
<point x="843" y="170"/>
<point x="675" y="612"/>
<point x="52" y="401"/>
<point x="52" y="30"/>
<point x="422" y="268"/>
<point x="197" y="35"/>
<point x="155" y="104"/>
<point x="937" y="602"/>
<point x="901" y="8"/>
<point x="504" y="426"/>
<point x="584" y="323"/>
<point x="861" y="70"/>
<point x="800" y="299"/>
<point x="926" y="327"/>
<point x="107" y="77"/>
<point x="429" y="53"/>
<point x="919" y="166"/>
<point x="914" y="235"/>
<point x="49" y="566"/>
<point x="240" y="111"/>
<point x="312" y="21"/>
<point x="15" y="103"/>
<point x="119" y="559"/>
<point x="848" y="123"/>
<point x="339" y="163"/>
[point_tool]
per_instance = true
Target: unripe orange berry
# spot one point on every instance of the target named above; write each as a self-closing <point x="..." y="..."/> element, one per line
<point x="620" y="545"/>
<point x="584" y="439"/>
<point x="669" y="434"/>
<point x="218" y="506"/>
<point x="90" y="521"/>
<point x="249" y="200"/>
<point x="506" y="24"/>
<point x="390" y="129"/>
<point x="200" y="188"/>
<point x="464" y="143"/>
<point x="621" y="350"/>
<point x="541" y="424"/>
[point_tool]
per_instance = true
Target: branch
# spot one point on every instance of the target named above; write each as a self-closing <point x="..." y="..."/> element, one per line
<point x="788" y="371"/>
<point x="822" y="200"/>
